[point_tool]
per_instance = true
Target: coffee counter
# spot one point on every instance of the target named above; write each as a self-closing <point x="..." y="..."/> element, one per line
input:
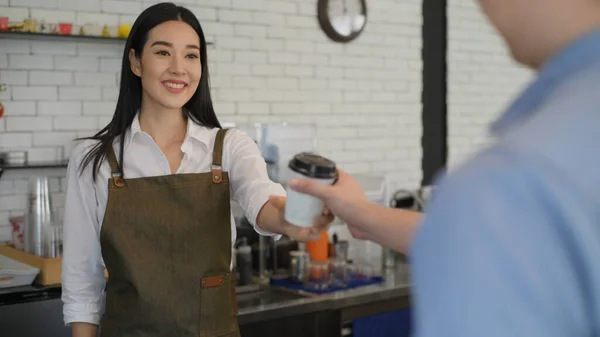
<point x="28" y="311"/>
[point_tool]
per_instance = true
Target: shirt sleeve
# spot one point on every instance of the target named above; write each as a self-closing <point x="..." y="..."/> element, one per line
<point x="250" y="183"/>
<point x="492" y="258"/>
<point x="82" y="268"/>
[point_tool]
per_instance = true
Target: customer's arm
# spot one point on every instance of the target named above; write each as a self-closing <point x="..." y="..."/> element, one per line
<point x="390" y="227"/>
<point x="82" y="270"/>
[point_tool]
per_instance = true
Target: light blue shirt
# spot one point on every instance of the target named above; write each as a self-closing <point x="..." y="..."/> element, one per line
<point x="510" y="244"/>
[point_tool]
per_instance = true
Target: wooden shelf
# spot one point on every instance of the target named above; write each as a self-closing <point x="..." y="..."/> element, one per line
<point x="60" y="37"/>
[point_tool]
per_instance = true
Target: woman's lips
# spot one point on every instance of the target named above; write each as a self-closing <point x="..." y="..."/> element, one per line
<point x="175" y="86"/>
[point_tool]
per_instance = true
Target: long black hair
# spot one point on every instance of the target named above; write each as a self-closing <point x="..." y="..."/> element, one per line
<point x="199" y="109"/>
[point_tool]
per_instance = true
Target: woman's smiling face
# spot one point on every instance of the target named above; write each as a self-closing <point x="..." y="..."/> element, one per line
<point x="169" y="67"/>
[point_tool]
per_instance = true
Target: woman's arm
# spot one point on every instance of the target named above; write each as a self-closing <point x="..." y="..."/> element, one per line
<point x="82" y="270"/>
<point x="84" y="330"/>
<point x="252" y="189"/>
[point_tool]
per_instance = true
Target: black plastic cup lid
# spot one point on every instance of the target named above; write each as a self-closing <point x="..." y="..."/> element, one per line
<point x="313" y="166"/>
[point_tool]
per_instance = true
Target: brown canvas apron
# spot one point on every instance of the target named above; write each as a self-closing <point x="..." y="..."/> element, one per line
<point x="166" y="243"/>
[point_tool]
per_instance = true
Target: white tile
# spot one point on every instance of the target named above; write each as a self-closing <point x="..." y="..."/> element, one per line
<point x="98" y="108"/>
<point x="53" y="138"/>
<point x="234" y="16"/>
<point x="53" y="48"/>
<point x="79" y="93"/>
<point x="19" y="108"/>
<point x="95" y="79"/>
<point x="6" y="187"/>
<point x="44" y="154"/>
<point x="34" y="3"/>
<point x="275" y="6"/>
<point x="5" y="232"/>
<point x="74" y="123"/>
<point x="110" y="64"/>
<point x="83" y="18"/>
<point x="203" y="13"/>
<point x="82" y="63"/>
<point x="253" y="108"/>
<point x="250" y="57"/>
<point x="12" y="202"/>
<point x="121" y="7"/>
<point x="80" y="5"/>
<point x="41" y="77"/>
<point x="103" y="121"/>
<point x="99" y="49"/>
<point x="59" y="108"/>
<point x="258" y="5"/>
<point x="268" y="19"/>
<point x="34" y="92"/>
<point x="13" y="77"/>
<point x="127" y="19"/>
<point x="110" y="94"/>
<point x="16" y="14"/>
<point x="28" y="123"/>
<point x="3" y="61"/>
<point x="7" y="94"/>
<point x="53" y="16"/>
<point x="15" y="46"/>
<point x="15" y="139"/>
<point x="29" y="62"/>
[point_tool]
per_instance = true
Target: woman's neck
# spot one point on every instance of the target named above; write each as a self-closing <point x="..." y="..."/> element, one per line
<point x="165" y="126"/>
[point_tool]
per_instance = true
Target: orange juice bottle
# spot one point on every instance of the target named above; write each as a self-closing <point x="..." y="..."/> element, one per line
<point x="319" y="250"/>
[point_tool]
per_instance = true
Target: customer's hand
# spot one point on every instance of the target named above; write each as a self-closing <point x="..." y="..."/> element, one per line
<point x="302" y="234"/>
<point x="345" y="199"/>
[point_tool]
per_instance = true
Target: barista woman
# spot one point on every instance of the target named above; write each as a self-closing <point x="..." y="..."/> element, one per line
<point x="148" y="197"/>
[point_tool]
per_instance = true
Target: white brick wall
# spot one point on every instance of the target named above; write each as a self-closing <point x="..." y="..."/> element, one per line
<point x="270" y="63"/>
<point x="482" y="79"/>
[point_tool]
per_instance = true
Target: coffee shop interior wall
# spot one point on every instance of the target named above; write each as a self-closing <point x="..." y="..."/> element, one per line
<point x="482" y="79"/>
<point x="270" y="62"/>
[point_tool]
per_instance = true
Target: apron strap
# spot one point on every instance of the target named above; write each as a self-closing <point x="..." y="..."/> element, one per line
<point x="114" y="167"/>
<point x="217" y="170"/>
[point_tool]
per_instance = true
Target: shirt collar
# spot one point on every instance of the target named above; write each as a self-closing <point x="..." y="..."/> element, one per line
<point x="572" y="59"/>
<point x="194" y="131"/>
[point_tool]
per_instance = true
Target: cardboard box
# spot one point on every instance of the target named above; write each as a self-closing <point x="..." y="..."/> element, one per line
<point x="50" y="268"/>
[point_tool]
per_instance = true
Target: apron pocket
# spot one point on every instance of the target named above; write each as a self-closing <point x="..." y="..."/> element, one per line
<point x="217" y="312"/>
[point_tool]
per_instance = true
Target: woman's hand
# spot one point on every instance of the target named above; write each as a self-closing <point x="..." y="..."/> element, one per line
<point x="303" y="234"/>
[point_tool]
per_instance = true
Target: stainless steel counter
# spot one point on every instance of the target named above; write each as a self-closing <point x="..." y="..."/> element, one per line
<point x="271" y="302"/>
<point x="29" y="311"/>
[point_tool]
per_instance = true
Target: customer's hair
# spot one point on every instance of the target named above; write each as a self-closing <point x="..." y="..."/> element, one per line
<point x="199" y="109"/>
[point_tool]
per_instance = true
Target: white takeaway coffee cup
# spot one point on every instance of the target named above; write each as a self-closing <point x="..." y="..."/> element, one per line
<point x="300" y="208"/>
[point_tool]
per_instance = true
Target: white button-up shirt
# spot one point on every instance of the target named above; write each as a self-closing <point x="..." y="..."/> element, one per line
<point x="83" y="279"/>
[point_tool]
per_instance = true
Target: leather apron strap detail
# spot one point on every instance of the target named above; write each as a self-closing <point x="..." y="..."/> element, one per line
<point x="213" y="281"/>
<point x="217" y="169"/>
<point x="114" y="168"/>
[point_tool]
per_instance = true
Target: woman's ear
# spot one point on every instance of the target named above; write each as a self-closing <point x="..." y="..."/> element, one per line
<point x="136" y="66"/>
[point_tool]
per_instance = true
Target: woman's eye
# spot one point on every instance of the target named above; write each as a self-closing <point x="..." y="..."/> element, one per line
<point x="192" y="56"/>
<point x="162" y="52"/>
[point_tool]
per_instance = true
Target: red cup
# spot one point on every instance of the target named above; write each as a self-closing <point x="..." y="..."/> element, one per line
<point x="3" y="23"/>
<point x="65" y="28"/>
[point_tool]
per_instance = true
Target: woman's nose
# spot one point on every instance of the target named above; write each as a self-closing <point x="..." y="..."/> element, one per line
<point x="176" y="66"/>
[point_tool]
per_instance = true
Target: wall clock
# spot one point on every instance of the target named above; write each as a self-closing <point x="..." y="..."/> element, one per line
<point x="342" y="20"/>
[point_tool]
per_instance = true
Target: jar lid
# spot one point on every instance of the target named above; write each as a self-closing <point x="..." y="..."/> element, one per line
<point x="313" y="166"/>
